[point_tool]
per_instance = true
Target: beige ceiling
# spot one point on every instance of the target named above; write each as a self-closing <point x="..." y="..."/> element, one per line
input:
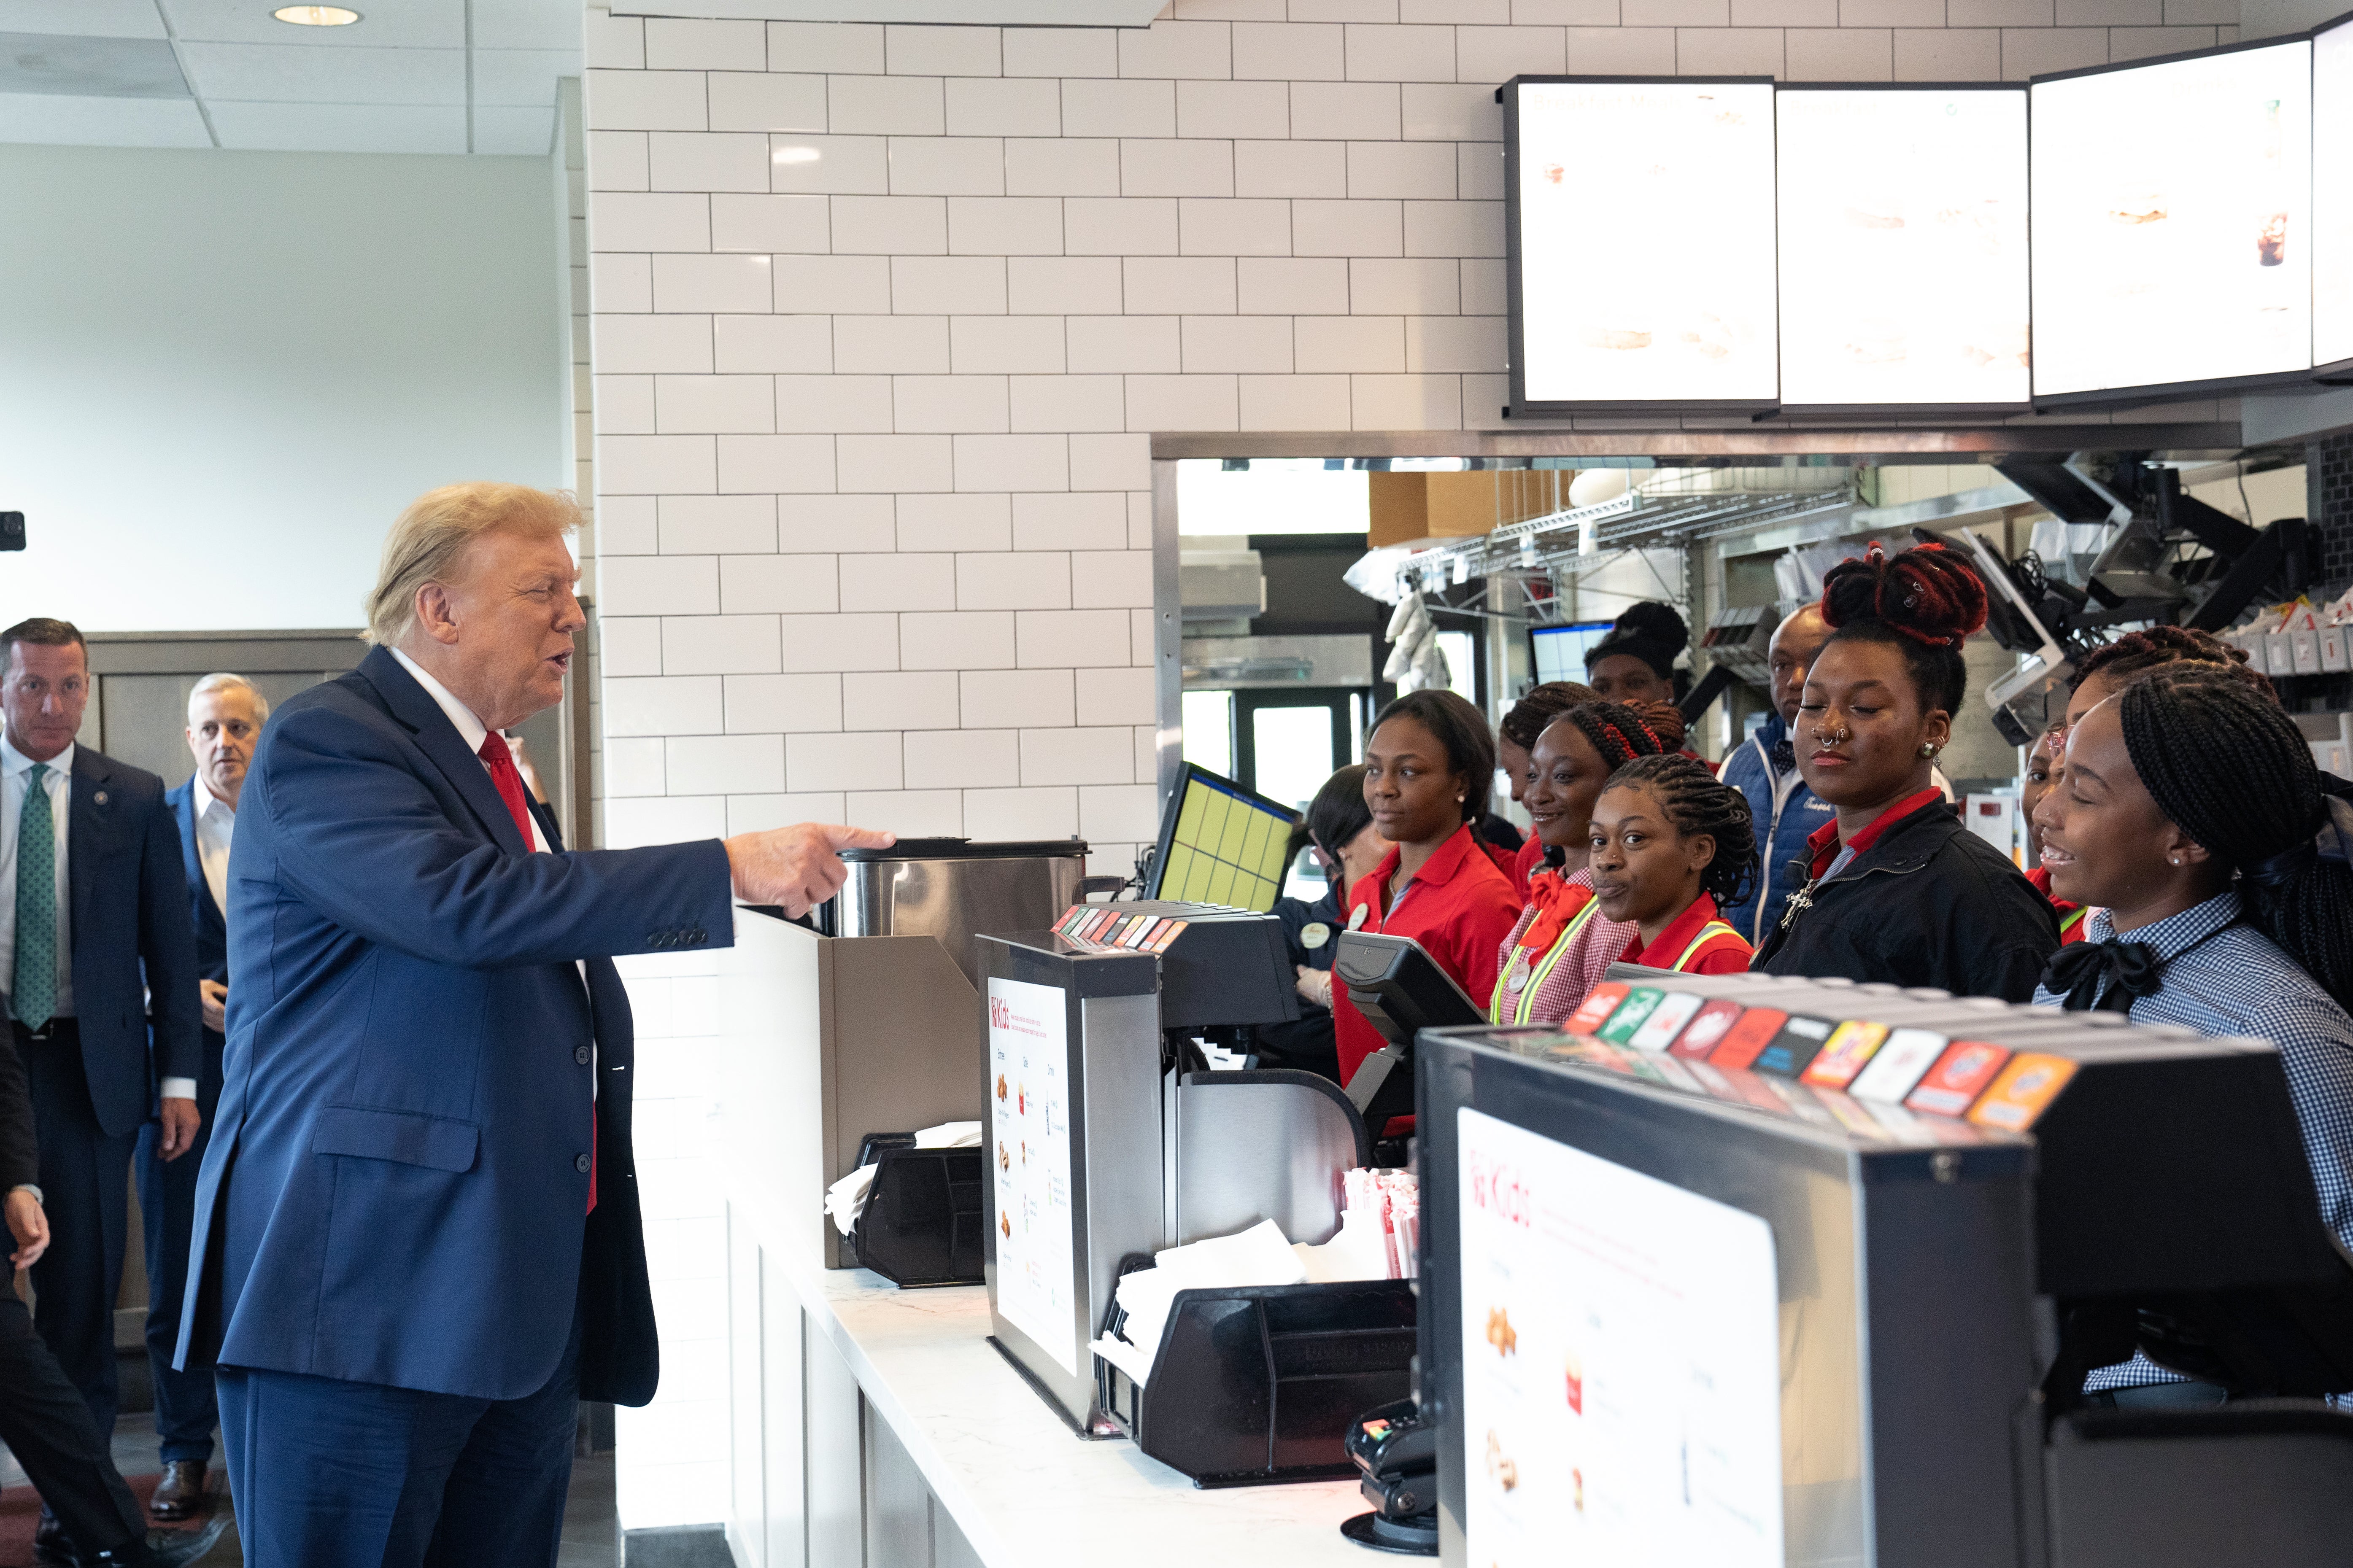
<point x="413" y="76"/>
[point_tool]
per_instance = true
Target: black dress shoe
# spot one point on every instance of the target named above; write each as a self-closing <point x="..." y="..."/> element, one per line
<point x="163" y="1548"/>
<point x="180" y="1494"/>
<point x="50" y="1542"/>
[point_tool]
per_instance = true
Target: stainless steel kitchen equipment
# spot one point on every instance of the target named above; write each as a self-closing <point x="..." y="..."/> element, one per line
<point x="866" y="1020"/>
<point x="953" y="887"/>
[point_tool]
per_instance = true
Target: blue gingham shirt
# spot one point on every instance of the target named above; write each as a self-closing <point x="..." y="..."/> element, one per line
<point x="2223" y="978"/>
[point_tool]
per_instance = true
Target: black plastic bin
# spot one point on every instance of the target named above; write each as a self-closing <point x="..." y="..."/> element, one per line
<point x="922" y="1223"/>
<point x="1258" y="1383"/>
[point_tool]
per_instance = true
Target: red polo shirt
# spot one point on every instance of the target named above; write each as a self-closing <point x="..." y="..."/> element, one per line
<point x="1822" y="844"/>
<point x="1459" y="907"/>
<point x="1688" y="944"/>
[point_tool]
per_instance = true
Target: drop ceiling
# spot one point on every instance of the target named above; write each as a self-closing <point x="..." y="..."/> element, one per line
<point x="412" y="76"/>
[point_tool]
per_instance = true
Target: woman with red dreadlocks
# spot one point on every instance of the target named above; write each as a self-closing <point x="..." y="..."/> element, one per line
<point x="1561" y="944"/>
<point x="1894" y="889"/>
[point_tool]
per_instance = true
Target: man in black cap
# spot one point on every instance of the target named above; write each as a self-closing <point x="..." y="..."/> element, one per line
<point x="43" y="1419"/>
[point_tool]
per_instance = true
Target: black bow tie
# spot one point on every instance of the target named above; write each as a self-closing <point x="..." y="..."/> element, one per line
<point x="2076" y="970"/>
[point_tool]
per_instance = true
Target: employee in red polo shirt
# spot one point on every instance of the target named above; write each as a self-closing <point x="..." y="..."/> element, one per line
<point x="1893" y="887"/>
<point x="1428" y="766"/>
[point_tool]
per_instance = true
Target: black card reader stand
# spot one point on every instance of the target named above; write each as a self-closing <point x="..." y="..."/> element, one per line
<point x="1396" y="1453"/>
<point x="1258" y="1383"/>
<point x="1400" y="990"/>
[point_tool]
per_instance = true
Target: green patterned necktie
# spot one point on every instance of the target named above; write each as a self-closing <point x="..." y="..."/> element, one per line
<point x="34" y="988"/>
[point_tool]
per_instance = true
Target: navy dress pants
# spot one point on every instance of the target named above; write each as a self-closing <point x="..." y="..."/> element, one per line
<point x="329" y="1474"/>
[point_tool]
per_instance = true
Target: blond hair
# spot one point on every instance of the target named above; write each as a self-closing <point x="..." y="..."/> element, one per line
<point x="429" y="537"/>
<point x="222" y="680"/>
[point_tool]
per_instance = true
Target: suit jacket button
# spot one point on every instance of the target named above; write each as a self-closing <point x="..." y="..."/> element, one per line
<point x="580" y="1053"/>
<point x="580" y="1163"/>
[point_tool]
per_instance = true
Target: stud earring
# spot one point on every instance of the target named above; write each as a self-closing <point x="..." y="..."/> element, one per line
<point x="2173" y="859"/>
<point x="1928" y="750"/>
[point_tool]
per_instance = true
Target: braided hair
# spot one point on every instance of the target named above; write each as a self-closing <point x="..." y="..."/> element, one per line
<point x="1617" y="731"/>
<point x="1695" y="801"/>
<point x="2231" y="769"/>
<point x="1925" y="601"/>
<point x="1540" y="706"/>
<point x="2135" y="654"/>
<point x="1461" y="729"/>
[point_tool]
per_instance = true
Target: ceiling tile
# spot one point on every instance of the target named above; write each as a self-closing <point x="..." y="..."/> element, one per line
<point x="101" y="122"/>
<point x="277" y="74"/>
<point x="528" y="131"/>
<point x="528" y="24"/>
<point x="92" y="18"/>
<point x="340" y="127"/>
<point x="60" y="63"/>
<point x="520" y="76"/>
<point x="384" y="24"/>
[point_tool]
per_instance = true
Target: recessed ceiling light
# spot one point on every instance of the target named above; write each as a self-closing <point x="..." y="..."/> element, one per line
<point x="316" y="15"/>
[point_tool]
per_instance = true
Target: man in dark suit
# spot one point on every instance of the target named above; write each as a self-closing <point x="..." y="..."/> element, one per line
<point x="43" y="1419"/>
<point x="93" y="912"/>
<point x="225" y="718"/>
<point x="416" y="1228"/>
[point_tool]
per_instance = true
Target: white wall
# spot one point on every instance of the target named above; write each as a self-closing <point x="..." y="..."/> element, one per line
<point x="222" y="373"/>
<point x="884" y="317"/>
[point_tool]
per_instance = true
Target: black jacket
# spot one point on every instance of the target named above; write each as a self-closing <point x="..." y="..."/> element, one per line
<point x="20" y="1157"/>
<point x="1929" y="904"/>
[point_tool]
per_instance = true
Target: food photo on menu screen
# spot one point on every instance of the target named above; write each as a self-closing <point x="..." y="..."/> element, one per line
<point x="2172" y="214"/>
<point x="2332" y="194"/>
<point x="1621" y="1364"/>
<point x="1903" y="272"/>
<point x="1645" y="242"/>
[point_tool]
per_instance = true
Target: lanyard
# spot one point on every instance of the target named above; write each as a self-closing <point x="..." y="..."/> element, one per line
<point x="1524" y="996"/>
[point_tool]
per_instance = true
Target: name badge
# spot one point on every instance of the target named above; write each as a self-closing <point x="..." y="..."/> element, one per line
<point x="1314" y="934"/>
<point x="1356" y="916"/>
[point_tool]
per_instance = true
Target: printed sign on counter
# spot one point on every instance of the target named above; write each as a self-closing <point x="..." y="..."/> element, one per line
<point x="1621" y="1364"/>
<point x="1029" y="1151"/>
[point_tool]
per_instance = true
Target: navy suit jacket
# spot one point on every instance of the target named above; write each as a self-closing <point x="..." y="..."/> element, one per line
<point x="131" y="940"/>
<point x="394" y="1186"/>
<point x="211" y="922"/>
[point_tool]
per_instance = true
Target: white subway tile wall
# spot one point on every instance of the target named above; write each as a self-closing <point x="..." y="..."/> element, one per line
<point x="884" y="319"/>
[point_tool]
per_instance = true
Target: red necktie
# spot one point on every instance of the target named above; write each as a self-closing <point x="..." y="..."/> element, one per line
<point x="508" y="780"/>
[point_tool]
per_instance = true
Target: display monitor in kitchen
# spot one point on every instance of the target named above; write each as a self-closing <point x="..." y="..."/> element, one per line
<point x="1640" y="242"/>
<point x="2332" y="197"/>
<point x="2172" y="212"/>
<point x="1902" y="236"/>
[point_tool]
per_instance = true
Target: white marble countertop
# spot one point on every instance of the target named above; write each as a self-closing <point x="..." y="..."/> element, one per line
<point x="1024" y="1489"/>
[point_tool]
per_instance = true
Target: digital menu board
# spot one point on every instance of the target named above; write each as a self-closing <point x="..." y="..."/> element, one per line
<point x="2332" y="195"/>
<point x="1641" y="243"/>
<point x="2172" y="212"/>
<point x="1902" y="236"/>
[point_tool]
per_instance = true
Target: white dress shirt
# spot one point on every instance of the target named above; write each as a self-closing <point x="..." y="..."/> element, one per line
<point x="16" y="768"/>
<point x="471" y="730"/>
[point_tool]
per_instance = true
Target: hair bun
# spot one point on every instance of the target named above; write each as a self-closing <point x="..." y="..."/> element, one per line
<point x="1927" y="592"/>
<point x="1652" y="622"/>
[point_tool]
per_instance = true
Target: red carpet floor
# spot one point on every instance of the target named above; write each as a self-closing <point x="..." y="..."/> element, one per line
<point x="20" y="1510"/>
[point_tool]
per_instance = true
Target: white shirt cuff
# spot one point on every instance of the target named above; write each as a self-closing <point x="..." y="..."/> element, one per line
<point x="177" y="1089"/>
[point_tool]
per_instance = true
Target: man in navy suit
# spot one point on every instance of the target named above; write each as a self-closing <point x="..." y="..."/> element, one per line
<point x="416" y="1230"/>
<point x="93" y="912"/>
<point x="225" y="718"/>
